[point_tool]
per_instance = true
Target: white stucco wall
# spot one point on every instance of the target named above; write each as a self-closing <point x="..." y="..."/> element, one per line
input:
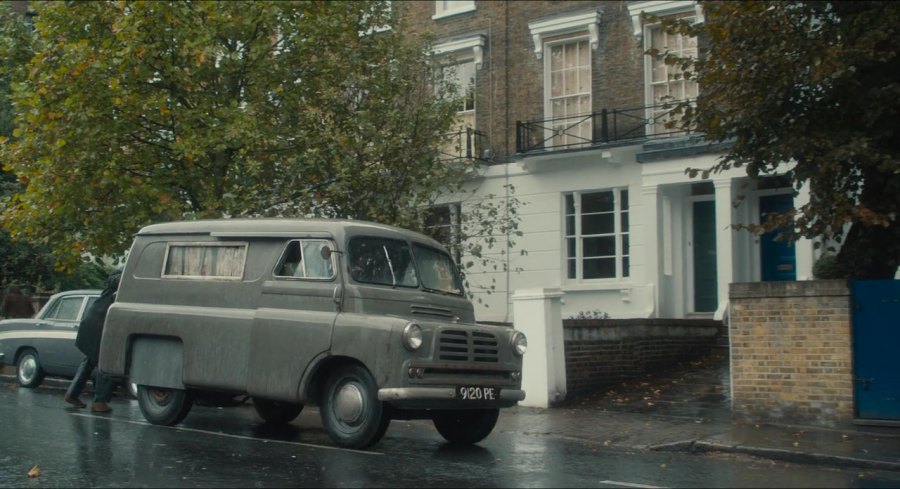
<point x="660" y="203"/>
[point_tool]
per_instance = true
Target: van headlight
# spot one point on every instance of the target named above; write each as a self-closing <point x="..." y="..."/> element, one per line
<point x="412" y="336"/>
<point x="519" y="343"/>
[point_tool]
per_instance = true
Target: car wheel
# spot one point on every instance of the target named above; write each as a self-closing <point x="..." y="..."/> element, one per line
<point x="351" y="412"/>
<point x="465" y="427"/>
<point x="28" y="369"/>
<point x="163" y="406"/>
<point x="276" y="412"/>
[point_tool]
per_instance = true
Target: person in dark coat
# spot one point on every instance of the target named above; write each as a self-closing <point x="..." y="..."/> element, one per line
<point x="90" y="331"/>
<point x="16" y="304"/>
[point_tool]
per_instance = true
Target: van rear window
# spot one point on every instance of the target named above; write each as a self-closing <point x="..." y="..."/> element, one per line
<point x="205" y="260"/>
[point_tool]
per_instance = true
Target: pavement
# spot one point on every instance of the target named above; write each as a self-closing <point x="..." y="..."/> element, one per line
<point x="686" y="409"/>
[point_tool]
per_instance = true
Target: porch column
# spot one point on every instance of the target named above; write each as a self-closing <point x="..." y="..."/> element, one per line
<point x="803" y="247"/>
<point x="652" y="240"/>
<point x="724" y="242"/>
<point x="538" y="314"/>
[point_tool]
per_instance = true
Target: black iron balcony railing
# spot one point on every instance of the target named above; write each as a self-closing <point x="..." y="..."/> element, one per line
<point x="606" y="126"/>
<point x="464" y="144"/>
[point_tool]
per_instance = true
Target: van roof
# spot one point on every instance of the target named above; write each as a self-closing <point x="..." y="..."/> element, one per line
<point x="272" y="227"/>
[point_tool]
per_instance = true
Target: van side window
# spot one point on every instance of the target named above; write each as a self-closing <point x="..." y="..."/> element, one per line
<point x="304" y="259"/>
<point x="205" y="260"/>
<point x="382" y="261"/>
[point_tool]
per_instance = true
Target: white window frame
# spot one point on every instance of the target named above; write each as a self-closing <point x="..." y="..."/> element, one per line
<point x="652" y="112"/>
<point x="620" y="255"/>
<point x="449" y="8"/>
<point x="548" y="103"/>
<point x="657" y="8"/>
<point x="462" y="50"/>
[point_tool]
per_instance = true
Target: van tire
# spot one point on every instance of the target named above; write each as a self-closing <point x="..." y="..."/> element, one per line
<point x="276" y="412"/>
<point x="29" y="372"/>
<point x="465" y="427"/>
<point x="164" y="406"/>
<point x="351" y="412"/>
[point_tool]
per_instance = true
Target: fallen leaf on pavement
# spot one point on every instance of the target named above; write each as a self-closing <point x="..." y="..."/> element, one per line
<point x="35" y="471"/>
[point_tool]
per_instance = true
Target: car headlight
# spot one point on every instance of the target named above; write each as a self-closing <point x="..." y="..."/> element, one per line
<point x="412" y="336"/>
<point x="519" y="343"/>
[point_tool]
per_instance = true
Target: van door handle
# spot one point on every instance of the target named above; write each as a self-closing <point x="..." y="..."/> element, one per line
<point x="337" y="295"/>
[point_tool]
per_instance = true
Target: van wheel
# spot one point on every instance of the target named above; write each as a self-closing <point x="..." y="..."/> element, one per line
<point x="163" y="406"/>
<point x="276" y="412"/>
<point x="28" y="369"/>
<point x="351" y="412"/>
<point x="465" y="427"/>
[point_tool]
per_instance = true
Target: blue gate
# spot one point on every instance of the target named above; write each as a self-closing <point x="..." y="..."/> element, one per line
<point x="876" y="348"/>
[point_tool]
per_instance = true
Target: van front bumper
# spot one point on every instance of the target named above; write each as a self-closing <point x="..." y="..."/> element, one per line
<point x="443" y="398"/>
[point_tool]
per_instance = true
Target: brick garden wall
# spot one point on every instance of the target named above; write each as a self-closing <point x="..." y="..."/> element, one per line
<point x="791" y="356"/>
<point x="600" y="352"/>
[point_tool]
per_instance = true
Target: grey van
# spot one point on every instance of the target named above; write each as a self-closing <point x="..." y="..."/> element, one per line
<point x="368" y="322"/>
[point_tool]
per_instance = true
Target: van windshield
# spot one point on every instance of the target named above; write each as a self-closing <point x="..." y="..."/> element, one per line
<point x="387" y="261"/>
<point x="382" y="261"/>
<point x="436" y="271"/>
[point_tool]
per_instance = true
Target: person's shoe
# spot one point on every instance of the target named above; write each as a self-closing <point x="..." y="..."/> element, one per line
<point x="75" y="401"/>
<point x="100" y="407"/>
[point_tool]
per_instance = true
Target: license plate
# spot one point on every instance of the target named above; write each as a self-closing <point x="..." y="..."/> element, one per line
<point x="467" y="393"/>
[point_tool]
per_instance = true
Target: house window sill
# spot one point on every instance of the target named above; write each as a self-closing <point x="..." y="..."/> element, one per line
<point x="596" y="287"/>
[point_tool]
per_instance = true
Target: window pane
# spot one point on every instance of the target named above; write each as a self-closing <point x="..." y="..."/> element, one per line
<point x="556" y="58"/>
<point x="571" y="58"/>
<point x="556" y="82"/>
<point x="316" y="265"/>
<point x="626" y="267"/>
<point x="605" y="246"/>
<point x="584" y="54"/>
<point x="600" y="268"/>
<point x="623" y="197"/>
<point x="572" y="263"/>
<point x="437" y="271"/>
<point x="570" y="225"/>
<point x="571" y="78"/>
<point x="660" y="92"/>
<point x="558" y="108"/>
<point x="68" y="308"/>
<point x="584" y="80"/>
<point x="205" y="260"/>
<point x="570" y="248"/>
<point x="382" y="261"/>
<point x="570" y="204"/>
<point x="597" y="202"/>
<point x="624" y="222"/>
<point x="625" y="244"/>
<point x="598" y="224"/>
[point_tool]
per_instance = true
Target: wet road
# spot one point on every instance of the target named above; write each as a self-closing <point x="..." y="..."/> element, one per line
<point x="230" y="447"/>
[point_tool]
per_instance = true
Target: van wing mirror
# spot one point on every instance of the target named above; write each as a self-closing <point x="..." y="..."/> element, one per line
<point x="326" y="252"/>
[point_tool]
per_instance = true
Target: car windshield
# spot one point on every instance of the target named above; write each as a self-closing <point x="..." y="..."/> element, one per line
<point x="387" y="261"/>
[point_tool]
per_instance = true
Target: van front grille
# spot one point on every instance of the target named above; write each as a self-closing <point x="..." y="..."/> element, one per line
<point x="458" y="345"/>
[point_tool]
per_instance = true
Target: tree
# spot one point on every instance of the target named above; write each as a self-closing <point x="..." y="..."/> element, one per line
<point x="810" y="90"/>
<point x="129" y="113"/>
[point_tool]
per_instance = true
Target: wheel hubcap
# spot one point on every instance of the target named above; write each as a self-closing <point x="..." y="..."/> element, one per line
<point x="348" y="403"/>
<point x="27" y="369"/>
